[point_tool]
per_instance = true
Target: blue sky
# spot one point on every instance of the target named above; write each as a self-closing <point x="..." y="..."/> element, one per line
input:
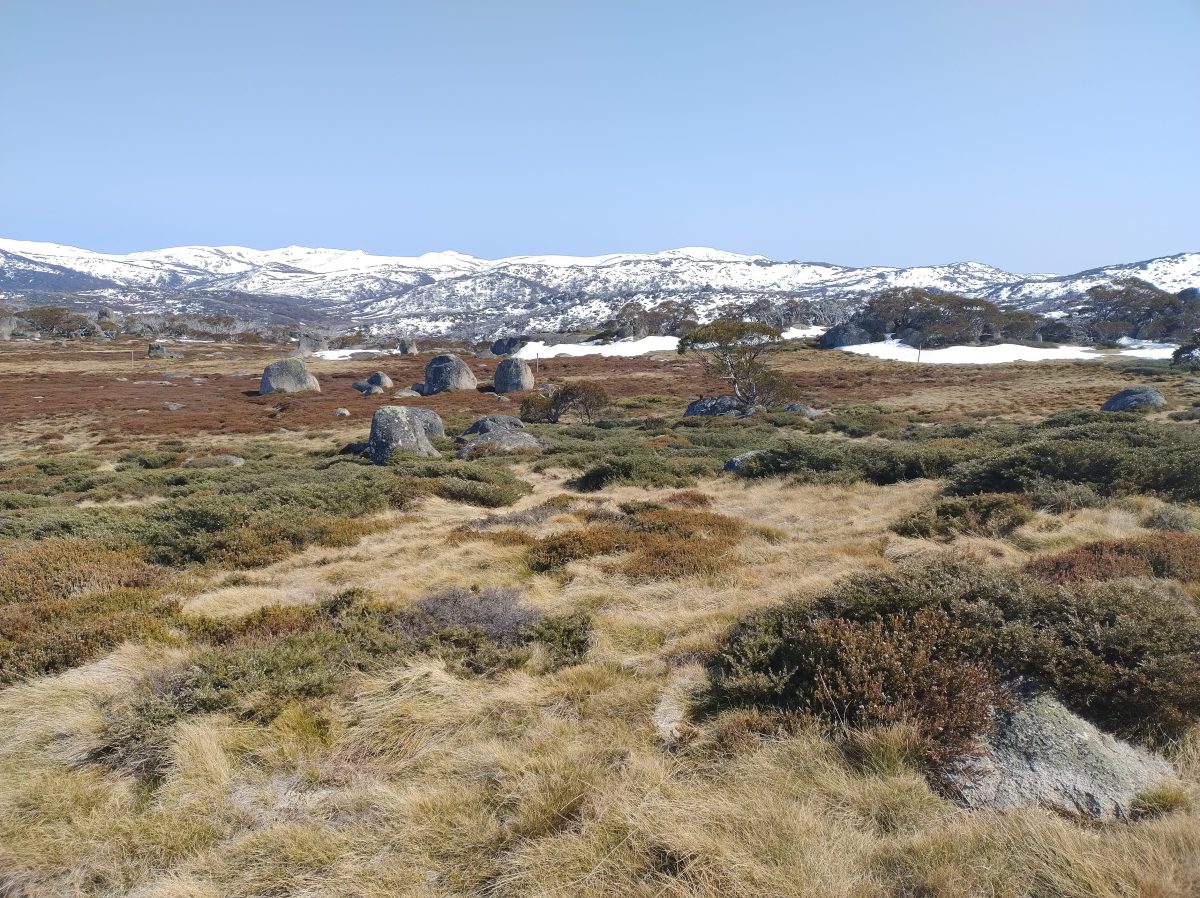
<point x="1037" y="135"/>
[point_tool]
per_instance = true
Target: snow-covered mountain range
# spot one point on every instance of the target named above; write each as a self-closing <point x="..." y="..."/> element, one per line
<point x="457" y="294"/>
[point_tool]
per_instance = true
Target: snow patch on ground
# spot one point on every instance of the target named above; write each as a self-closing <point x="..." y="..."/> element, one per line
<point x="1000" y="353"/>
<point x="802" y="333"/>
<point x="341" y="355"/>
<point x="621" y="348"/>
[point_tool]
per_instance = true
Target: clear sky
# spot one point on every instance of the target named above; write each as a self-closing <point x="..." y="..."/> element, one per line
<point x="1037" y="135"/>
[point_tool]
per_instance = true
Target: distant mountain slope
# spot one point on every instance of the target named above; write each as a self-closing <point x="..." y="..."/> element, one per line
<point x="453" y="293"/>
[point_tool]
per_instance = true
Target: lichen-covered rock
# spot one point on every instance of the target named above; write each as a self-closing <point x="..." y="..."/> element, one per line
<point x="1043" y="754"/>
<point x="288" y="376"/>
<point x="341" y="413"/>
<point x="379" y="379"/>
<point x="712" y="407"/>
<point x="448" y="372"/>
<point x="398" y="428"/>
<point x="512" y="375"/>
<point x="1134" y="398"/>
<point x="500" y="442"/>
<point x="492" y="423"/>
<point x="407" y="346"/>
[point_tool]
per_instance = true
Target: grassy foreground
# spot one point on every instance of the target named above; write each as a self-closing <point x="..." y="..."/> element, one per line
<point x="309" y="676"/>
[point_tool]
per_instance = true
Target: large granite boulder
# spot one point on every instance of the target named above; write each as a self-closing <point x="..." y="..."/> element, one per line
<point x="801" y="409"/>
<point x="447" y="372"/>
<point x="1134" y="399"/>
<point x="379" y="379"/>
<point x="513" y="374"/>
<point x="739" y="463"/>
<point x="398" y="428"/>
<point x="288" y="376"/>
<point x="845" y="334"/>
<point x="407" y="346"/>
<point x="1043" y="754"/>
<point x="309" y="342"/>
<point x="712" y="407"/>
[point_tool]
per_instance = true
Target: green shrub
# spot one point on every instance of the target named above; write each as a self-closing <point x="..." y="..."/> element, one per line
<point x="1171" y="555"/>
<point x="1125" y="657"/>
<point x="567" y="637"/>
<point x="918" y="669"/>
<point x="1172" y="517"/>
<point x="639" y="470"/>
<point x="882" y="463"/>
<point x="988" y="514"/>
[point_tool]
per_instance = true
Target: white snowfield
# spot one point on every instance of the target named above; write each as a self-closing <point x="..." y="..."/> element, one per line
<point x="621" y="348"/>
<point x="999" y="353"/>
<point x="893" y="350"/>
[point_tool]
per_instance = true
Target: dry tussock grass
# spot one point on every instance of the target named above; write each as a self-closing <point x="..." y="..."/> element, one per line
<point x="592" y="780"/>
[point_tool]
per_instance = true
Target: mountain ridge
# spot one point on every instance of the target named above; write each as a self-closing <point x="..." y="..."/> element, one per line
<point x="453" y="293"/>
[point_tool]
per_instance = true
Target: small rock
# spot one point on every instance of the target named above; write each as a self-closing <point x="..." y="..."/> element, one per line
<point x="801" y="409"/>
<point x="341" y="413"/>
<point x="173" y="406"/>
<point x="491" y="424"/>
<point x="1134" y="398"/>
<point x="507" y="345"/>
<point x="405" y="394"/>
<point x="214" y="461"/>
<point x="500" y="442"/>
<point x="737" y="464"/>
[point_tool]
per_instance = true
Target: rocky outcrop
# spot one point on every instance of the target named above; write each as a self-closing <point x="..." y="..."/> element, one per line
<point x="447" y="372"/>
<point x="288" y="376"/>
<point x="1134" y="399"/>
<point x="399" y="428"/>
<point x="712" y="407"/>
<point x="512" y="375"/>
<point x="1043" y="754"/>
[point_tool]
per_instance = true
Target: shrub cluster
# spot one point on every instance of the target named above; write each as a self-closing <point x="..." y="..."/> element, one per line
<point x="988" y="514"/>
<point x="1126" y="658"/>
<point x="1170" y="555"/>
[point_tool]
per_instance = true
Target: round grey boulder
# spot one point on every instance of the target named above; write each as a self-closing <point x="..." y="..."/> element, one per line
<point x="846" y="334"/>
<point x="407" y="346"/>
<point x="379" y="379"/>
<point x="448" y="372"/>
<point x="712" y="407"/>
<point x="500" y="442"/>
<point x="406" y="393"/>
<point x="1134" y="398"/>
<point x="511" y="375"/>
<point x="507" y="345"/>
<point x="288" y="376"/>
<point x="341" y="413"/>
<point x="398" y="428"/>
<point x="373" y="390"/>
<point x="158" y="351"/>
